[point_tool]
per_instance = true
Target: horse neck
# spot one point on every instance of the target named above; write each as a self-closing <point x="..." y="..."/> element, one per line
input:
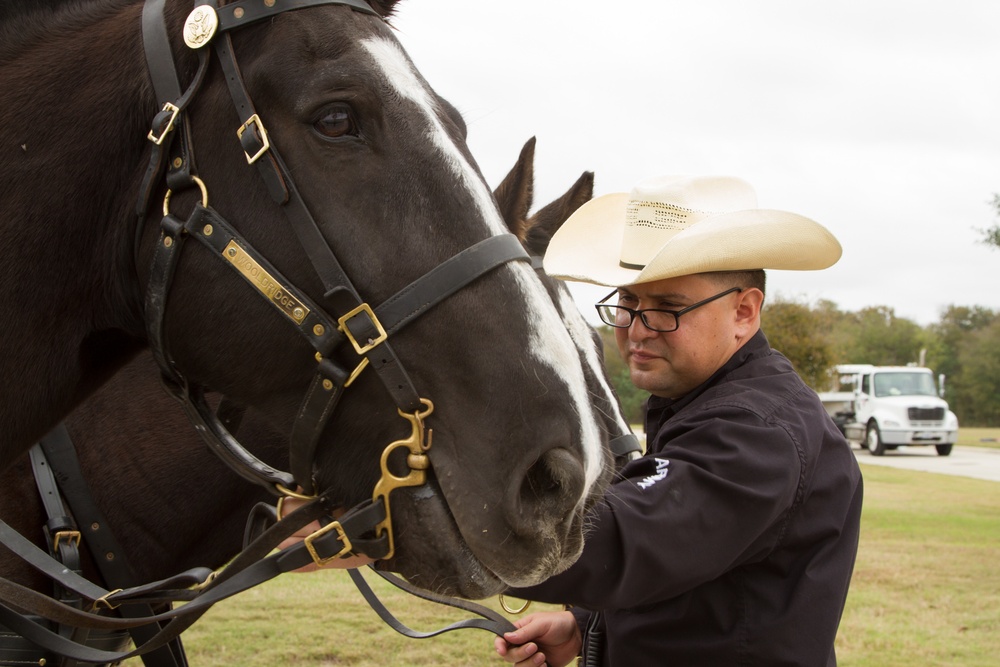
<point x="169" y="513"/>
<point x="167" y="499"/>
<point x="76" y="103"/>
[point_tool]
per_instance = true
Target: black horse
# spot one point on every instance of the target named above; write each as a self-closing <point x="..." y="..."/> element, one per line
<point x="170" y="502"/>
<point x="377" y="166"/>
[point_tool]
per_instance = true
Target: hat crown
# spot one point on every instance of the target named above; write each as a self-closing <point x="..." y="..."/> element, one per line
<point x="661" y="207"/>
<point x="682" y="225"/>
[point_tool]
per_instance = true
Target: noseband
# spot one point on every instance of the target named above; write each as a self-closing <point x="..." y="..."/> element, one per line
<point x="342" y="317"/>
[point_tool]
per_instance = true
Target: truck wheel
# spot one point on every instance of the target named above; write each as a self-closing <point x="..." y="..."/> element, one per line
<point x="873" y="440"/>
<point x="943" y="450"/>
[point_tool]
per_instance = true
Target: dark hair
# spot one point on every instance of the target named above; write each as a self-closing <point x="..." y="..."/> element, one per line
<point x="745" y="279"/>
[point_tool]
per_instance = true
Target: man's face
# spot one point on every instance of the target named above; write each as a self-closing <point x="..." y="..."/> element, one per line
<point x="670" y="364"/>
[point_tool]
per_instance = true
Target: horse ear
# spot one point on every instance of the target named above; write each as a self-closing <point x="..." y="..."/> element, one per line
<point x="515" y="192"/>
<point x="543" y="224"/>
<point x="385" y="8"/>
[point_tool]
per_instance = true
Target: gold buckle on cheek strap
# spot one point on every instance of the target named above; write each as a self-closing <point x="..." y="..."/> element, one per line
<point x="372" y="343"/>
<point x="341" y="536"/>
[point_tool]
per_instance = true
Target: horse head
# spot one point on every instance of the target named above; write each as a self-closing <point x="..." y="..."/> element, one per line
<point x="514" y="197"/>
<point x="313" y="179"/>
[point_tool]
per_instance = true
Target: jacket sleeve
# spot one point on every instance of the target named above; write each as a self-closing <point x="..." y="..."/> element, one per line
<point x="715" y="494"/>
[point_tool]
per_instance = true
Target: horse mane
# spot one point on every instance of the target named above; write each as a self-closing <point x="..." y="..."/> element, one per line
<point x="12" y="8"/>
<point x="25" y="22"/>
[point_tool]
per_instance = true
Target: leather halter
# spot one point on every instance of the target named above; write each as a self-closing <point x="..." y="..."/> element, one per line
<point x="342" y="317"/>
<point x="72" y="512"/>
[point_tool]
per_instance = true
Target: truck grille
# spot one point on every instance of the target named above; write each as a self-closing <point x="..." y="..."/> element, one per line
<point x="925" y="414"/>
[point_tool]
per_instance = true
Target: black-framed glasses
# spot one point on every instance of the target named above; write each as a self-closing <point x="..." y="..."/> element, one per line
<point x="655" y="319"/>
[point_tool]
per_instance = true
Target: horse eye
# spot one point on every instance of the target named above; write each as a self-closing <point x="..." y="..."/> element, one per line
<point x="337" y="122"/>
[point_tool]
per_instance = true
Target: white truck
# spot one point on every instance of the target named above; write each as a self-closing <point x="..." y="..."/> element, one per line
<point x="883" y="407"/>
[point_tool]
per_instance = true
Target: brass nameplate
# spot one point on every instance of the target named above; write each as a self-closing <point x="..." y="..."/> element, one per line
<point x="265" y="283"/>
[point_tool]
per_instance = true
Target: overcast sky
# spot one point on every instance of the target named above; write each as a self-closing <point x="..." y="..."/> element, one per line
<point x="880" y="119"/>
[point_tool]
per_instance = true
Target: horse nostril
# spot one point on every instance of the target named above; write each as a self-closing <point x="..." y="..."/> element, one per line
<point x="551" y="487"/>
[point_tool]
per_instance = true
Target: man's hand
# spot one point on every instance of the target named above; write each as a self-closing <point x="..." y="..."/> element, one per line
<point x="550" y="638"/>
<point x="290" y="505"/>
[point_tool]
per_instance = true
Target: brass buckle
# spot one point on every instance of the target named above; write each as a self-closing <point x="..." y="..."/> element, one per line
<point x="418" y="443"/>
<point x="208" y="580"/>
<point x="104" y="600"/>
<point x="71" y="537"/>
<point x="174" y="111"/>
<point x="320" y="533"/>
<point x="254" y="120"/>
<point x="372" y="342"/>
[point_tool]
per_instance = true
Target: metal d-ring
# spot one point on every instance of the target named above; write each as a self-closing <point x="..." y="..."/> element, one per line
<point x="285" y="491"/>
<point x="201" y="186"/>
<point x="509" y="610"/>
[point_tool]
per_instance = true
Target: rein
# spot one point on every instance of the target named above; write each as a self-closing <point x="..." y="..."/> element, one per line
<point x="200" y="588"/>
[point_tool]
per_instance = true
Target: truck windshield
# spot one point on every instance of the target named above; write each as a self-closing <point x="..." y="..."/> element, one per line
<point x="904" y="384"/>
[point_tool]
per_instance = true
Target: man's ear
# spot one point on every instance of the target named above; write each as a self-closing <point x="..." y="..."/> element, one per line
<point x="751" y="300"/>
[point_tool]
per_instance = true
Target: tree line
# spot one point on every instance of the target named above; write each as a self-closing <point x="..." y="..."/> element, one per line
<point x="964" y="345"/>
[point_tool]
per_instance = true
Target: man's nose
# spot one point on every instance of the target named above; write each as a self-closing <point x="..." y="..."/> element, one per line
<point x="638" y="330"/>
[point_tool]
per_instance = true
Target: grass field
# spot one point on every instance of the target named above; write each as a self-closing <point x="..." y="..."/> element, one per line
<point x="979" y="437"/>
<point x="926" y="592"/>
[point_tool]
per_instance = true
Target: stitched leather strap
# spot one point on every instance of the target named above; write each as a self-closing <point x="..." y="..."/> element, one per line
<point x="108" y="554"/>
<point x="255" y="10"/>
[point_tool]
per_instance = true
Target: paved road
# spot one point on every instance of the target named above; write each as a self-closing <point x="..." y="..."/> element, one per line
<point x="977" y="462"/>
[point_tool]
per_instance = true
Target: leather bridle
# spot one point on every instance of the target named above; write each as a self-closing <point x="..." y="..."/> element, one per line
<point x="342" y="318"/>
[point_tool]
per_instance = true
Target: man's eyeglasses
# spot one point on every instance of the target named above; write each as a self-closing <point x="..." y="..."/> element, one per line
<point x="655" y="319"/>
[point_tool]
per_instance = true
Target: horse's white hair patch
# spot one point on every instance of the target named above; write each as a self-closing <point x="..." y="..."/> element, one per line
<point x="550" y="341"/>
<point x="582" y="335"/>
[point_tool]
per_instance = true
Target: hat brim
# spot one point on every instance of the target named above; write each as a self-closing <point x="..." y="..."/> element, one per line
<point x="587" y="248"/>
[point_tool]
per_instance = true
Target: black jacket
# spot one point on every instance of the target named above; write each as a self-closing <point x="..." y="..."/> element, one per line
<point x="732" y="541"/>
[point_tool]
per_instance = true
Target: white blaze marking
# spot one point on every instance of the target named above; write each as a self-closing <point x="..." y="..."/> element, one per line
<point x="549" y="341"/>
<point x="582" y="335"/>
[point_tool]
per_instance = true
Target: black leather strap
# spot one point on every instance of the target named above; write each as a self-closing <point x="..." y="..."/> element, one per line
<point x="444" y="280"/>
<point x="228" y="448"/>
<point x="252" y="132"/>
<point x="625" y="446"/>
<point x="109" y="556"/>
<point x="314" y="413"/>
<point x="159" y="57"/>
<point x="248" y="569"/>
<point x="63" y="542"/>
<point x="491" y="621"/>
<point x="254" y="10"/>
<point x="165" y="257"/>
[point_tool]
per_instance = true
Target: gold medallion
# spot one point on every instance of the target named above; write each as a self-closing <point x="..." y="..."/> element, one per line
<point x="200" y="26"/>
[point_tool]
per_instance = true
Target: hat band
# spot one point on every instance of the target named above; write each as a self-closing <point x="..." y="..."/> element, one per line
<point x="636" y="267"/>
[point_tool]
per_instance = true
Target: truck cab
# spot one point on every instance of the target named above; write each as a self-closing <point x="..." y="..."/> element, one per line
<point x="895" y="405"/>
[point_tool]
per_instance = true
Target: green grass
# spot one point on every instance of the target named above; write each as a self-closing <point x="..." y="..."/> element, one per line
<point x="926" y="592"/>
<point x="926" y="588"/>
<point x="979" y="437"/>
<point x="320" y="619"/>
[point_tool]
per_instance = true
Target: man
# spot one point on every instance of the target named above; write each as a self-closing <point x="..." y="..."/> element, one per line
<point x="732" y="541"/>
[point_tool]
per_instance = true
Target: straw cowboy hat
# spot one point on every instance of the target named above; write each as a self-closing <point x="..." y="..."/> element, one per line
<point x="679" y="225"/>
